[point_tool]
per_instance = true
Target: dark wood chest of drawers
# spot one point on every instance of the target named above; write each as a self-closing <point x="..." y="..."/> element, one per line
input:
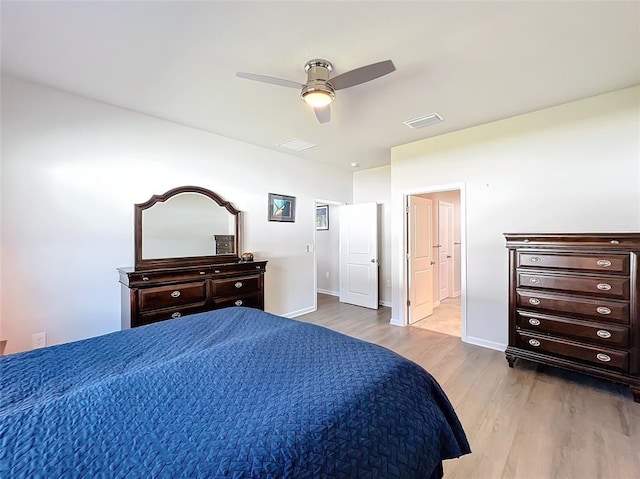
<point x="160" y="294"/>
<point x="573" y="303"/>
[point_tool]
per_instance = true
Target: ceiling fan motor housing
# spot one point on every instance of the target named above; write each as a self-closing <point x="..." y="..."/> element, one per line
<point x="318" y="79"/>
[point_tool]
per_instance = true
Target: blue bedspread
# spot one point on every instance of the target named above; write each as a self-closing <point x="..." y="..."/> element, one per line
<point x="231" y="393"/>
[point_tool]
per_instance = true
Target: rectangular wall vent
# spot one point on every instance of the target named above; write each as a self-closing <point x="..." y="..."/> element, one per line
<point x="425" y="120"/>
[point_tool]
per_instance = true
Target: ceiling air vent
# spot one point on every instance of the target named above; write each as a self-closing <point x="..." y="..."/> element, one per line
<point x="425" y="120"/>
<point x="297" y="145"/>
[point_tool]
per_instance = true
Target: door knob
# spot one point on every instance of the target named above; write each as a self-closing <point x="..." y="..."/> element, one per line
<point x="448" y="256"/>
<point x="373" y="260"/>
<point x="433" y="262"/>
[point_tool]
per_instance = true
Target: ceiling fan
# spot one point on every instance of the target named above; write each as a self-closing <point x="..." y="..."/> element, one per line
<point x="320" y="90"/>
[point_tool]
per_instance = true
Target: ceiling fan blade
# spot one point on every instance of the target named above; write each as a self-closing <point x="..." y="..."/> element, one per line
<point x="323" y="113"/>
<point x="362" y="74"/>
<point x="271" y="80"/>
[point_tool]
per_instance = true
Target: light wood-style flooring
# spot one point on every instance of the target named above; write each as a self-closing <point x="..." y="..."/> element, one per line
<point x="531" y="421"/>
<point x="446" y="318"/>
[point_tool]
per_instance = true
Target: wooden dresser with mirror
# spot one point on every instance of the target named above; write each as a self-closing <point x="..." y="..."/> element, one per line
<point x="574" y="303"/>
<point x="181" y="267"/>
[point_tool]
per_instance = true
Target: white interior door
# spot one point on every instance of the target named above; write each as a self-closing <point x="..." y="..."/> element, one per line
<point x="445" y="249"/>
<point x="420" y="258"/>
<point x="359" y="255"/>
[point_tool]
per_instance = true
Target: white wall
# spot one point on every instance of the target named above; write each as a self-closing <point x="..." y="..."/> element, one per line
<point x="328" y="254"/>
<point x="571" y="168"/>
<point x="72" y="169"/>
<point x="374" y="185"/>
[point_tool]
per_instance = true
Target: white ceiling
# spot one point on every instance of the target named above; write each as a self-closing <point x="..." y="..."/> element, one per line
<point x="472" y="62"/>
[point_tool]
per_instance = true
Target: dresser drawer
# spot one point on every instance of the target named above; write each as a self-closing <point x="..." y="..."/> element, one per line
<point x="170" y="313"/>
<point x="610" y="263"/>
<point x="599" y="334"/>
<point x="603" y="357"/>
<point x="603" y="310"/>
<point x="236" y="286"/>
<point x="606" y="287"/>
<point x="250" y="301"/>
<point x="173" y="295"/>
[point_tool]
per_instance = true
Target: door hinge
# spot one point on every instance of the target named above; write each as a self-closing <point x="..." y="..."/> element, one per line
<point x="408" y="209"/>
<point x="408" y="302"/>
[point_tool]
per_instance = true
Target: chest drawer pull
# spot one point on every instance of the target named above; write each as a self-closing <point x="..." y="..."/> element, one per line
<point x="535" y="301"/>
<point x="534" y="342"/>
<point x="534" y="322"/>
<point x="203" y="272"/>
<point x="604" y="286"/>
<point x="217" y="271"/>
<point x="605" y="358"/>
<point x="535" y="259"/>
<point x="614" y="242"/>
<point x="534" y="280"/>
<point x="526" y="240"/>
<point x="177" y="314"/>
<point x="605" y="263"/>
<point x="238" y="303"/>
<point x="238" y="284"/>
<point x="603" y="333"/>
<point x="145" y="278"/>
<point x="175" y="294"/>
<point x="603" y="310"/>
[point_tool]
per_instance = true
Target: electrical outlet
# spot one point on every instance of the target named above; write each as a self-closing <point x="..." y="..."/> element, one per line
<point x="39" y="340"/>
<point x="326" y="274"/>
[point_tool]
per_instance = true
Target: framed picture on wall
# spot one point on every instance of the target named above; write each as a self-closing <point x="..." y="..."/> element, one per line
<point x="322" y="217"/>
<point x="282" y="208"/>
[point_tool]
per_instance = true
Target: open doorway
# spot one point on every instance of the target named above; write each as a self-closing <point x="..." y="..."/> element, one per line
<point x="327" y="251"/>
<point x="434" y="261"/>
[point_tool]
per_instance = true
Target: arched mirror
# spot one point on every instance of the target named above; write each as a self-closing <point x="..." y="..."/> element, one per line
<point x="185" y="226"/>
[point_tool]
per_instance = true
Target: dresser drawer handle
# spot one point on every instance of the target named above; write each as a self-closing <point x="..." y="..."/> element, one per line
<point x="535" y="259"/>
<point x="217" y="271"/>
<point x="257" y="267"/>
<point x="145" y="278"/>
<point x="535" y="322"/>
<point x="603" y="333"/>
<point x="604" y="287"/>
<point x="534" y="342"/>
<point x="605" y="358"/>
<point x="605" y="263"/>
<point x="614" y="242"/>
<point x="603" y="310"/>
<point x="175" y="294"/>
<point x="177" y="314"/>
<point x="534" y="280"/>
<point x="238" y="284"/>
<point x="239" y="302"/>
<point x="203" y="272"/>
<point x="526" y="240"/>
<point x="534" y="301"/>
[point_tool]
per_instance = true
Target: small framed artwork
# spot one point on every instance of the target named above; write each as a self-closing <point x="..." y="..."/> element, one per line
<point x="322" y="217"/>
<point x="282" y="208"/>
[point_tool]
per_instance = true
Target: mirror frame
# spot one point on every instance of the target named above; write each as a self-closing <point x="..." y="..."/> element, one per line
<point x="161" y="263"/>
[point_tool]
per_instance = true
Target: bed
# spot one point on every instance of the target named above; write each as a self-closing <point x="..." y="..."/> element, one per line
<point x="234" y="393"/>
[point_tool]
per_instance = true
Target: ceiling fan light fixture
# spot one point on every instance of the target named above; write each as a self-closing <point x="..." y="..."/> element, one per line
<point x="318" y="96"/>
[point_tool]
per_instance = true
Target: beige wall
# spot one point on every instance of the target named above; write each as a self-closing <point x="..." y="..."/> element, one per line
<point x="571" y="168"/>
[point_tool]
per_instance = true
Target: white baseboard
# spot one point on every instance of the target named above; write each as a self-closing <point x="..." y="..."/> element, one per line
<point x="485" y="343"/>
<point x="300" y="312"/>
<point x="385" y="303"/>
<point x="396" y="322"/>
<point x="330" y="293"/>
